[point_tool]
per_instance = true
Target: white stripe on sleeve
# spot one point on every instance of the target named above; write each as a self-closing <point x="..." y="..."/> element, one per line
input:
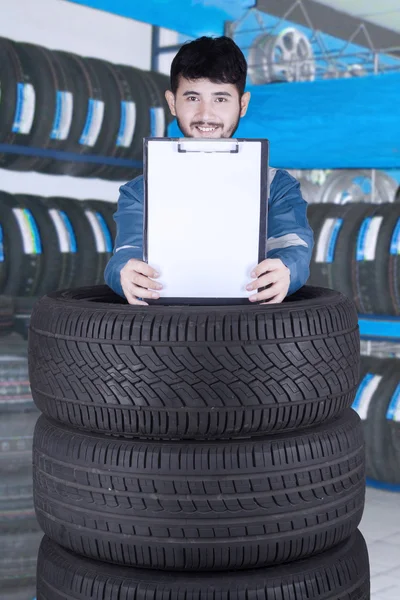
<point x="285" y="241"/>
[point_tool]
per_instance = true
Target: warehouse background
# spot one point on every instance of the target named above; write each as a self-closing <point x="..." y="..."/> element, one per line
<point x="331" y="117"/>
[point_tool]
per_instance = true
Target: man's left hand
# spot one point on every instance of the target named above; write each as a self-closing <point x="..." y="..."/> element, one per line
<point x="271" y="272"/>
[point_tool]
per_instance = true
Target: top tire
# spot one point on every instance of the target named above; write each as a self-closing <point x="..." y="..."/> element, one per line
<point x="99" y="364"/>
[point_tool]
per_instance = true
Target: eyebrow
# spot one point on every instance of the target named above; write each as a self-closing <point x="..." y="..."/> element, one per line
<point x="193" y="93"/>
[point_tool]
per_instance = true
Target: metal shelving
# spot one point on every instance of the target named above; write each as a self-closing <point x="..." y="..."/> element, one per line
<point x="380" y="328"/>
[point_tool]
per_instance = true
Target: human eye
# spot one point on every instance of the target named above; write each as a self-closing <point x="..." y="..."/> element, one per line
<point x="220" y="99"/>
<point x="192" y="98"/>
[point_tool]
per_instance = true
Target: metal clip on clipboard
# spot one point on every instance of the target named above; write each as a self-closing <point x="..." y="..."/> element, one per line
<point x="230" y="146"/>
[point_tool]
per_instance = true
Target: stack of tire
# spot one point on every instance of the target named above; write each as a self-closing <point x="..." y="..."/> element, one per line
<point x="197" y="452"/>
<point x="357" y="252"/>
<point x="49" y="244"/>
<point x="378" y="405"/>
<point x="70" y="115"/>
<point x="20" y="533"/>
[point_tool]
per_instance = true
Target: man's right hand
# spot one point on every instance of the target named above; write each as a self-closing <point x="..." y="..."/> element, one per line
<point x="136" y="281"/>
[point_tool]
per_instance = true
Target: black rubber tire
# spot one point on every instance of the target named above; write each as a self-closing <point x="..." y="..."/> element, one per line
<point x="104" y="250"/>
<point x="378" y="280"/>
<point x="115" y="90"/>
<point x="395" y="438"/>
<point x="163" y="84"/>
<point x="107" y="211"/>
<point x="344" y="265"/>
<point x="79" y="83"/>
<point x="112" y="95"/>
<point x="72" y="265"/>
<point x="53" y="265"/>
<point x="87" y="89"/>
<point x="339" y="574"/>
<point x="142" y="101"/>
<point x="217" y="505"/>
<point x="64" y="84"/>
<point x="156" y="101"/>
<point x="21" y="270"/>
<point x="36" y="64"/>
<point x="98" y="363"/>
<point x="10" y="74"/>
<point x="86" y="267"/>
<point x="315" y="215"/>
<point x="130" y="88"/>
<point x="382" y="460"/>
<point x="321" y="272"/>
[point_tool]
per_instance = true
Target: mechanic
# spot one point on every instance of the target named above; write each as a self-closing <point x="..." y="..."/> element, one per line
<point x="207" y="97"/>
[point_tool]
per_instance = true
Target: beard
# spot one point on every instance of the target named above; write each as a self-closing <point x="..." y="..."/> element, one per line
<point x="230" y="131"/>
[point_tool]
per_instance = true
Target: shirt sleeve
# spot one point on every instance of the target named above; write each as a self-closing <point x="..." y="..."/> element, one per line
<point x="129" y="237"/>
<point x="290" y="236"/>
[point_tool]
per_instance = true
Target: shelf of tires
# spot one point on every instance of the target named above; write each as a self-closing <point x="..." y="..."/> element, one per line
<point x="20" y="533"/>
<point x="49" y="244"/>
<point x="60" y="111"/>
<point x="378" y="405"/>
<point x="193" y="452"/>
<point x="357" y="251"/>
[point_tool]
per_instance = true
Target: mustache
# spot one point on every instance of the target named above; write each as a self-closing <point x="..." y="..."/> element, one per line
<point x="205" y="124"/>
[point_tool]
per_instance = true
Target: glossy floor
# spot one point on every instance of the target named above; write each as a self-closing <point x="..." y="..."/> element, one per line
<point x="381" y="528"/>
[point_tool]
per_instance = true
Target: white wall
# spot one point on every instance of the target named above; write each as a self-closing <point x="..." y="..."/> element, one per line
<point x="63" y="25"/>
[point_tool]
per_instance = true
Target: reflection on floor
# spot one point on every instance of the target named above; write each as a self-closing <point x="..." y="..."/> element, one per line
<point x="381" y="528"/>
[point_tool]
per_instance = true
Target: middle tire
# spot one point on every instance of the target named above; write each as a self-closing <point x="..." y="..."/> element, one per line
<point x="192" y="372"/>
<point x="208" y="506"/>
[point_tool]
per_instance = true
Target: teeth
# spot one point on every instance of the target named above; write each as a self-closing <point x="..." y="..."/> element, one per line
<point x="207" y="129"/>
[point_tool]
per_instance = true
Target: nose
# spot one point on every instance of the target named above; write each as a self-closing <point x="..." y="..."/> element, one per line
<point x="206" y="112"/>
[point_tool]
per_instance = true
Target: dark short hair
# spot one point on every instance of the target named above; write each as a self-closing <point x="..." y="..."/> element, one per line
<point x="218" y="59"/>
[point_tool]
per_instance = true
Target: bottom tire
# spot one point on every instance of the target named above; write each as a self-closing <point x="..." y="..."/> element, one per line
<point x="339" y="574"/>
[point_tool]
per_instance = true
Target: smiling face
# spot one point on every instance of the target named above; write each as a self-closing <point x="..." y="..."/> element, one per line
<point x="207" y="110"/>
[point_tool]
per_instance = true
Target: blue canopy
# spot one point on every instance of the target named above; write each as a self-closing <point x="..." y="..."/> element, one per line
<point x="332" y="124"/>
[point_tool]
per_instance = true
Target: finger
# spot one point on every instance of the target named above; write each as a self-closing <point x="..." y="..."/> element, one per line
<point x="264" y="280"/>
<point x="143" y="268"/>
<point x="272" y="291"/>
<point x="144" y="282"/>
<point x="131" y="298"/>
<point x="138" y="302"/>
<point x="131" y="295"/>
<point x="275" y="300"/>
<point x="142" y="293"/>
<point x="269" y="264"/>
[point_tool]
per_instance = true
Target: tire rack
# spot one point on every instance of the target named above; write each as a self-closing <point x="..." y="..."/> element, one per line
<point x="380" y="329"/>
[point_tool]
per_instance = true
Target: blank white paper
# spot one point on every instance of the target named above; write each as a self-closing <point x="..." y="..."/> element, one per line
<point x="203" y="218"/>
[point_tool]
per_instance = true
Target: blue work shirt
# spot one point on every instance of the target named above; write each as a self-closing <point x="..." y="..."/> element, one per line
<point x="290" y="237"/>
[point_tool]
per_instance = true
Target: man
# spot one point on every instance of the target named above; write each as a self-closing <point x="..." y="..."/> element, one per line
<point x="207" y="97"/>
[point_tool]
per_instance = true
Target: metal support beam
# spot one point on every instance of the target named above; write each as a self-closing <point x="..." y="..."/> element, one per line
<point x="155" y="45"/>
<point x="333" y="22"/>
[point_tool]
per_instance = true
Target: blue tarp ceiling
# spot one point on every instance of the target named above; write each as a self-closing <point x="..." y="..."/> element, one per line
<point x="191" y="17"/>
<point x="334" y="124"/>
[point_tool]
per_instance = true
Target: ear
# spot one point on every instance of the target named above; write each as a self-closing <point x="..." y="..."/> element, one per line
<point x="244" y="103"/>
<point x="170" y="98"/>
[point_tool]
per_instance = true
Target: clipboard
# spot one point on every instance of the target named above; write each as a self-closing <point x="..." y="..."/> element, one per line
<point x="205" y="217"/>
